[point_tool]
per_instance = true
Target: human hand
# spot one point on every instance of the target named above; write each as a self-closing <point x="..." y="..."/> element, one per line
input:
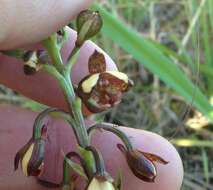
<point x="44" y="89"/>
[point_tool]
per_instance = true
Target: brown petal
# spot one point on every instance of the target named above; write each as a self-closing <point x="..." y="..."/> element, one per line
<point x="97" y="63"/>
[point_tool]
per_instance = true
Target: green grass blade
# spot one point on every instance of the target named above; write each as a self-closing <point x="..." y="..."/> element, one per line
<point x="205" y="160"/>
<point x="192" y="143"/>
<point x="153" y="59"/>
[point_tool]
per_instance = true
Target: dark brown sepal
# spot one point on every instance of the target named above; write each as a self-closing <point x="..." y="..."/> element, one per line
<point x="97" y="63"/>
<point x="142" y="163"/>
<point x="20" y="154"/>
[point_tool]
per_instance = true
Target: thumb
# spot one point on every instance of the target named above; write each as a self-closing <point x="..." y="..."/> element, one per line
<point x="24" y="22"/>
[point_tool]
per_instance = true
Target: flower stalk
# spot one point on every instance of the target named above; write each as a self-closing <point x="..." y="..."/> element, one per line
<point x="114" y="129"/>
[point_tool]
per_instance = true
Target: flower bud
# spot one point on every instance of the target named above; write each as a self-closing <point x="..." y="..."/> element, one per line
<point x="33" y="61"/>
<point x="142" y="163"/>
<point x="100" y="183"/>
<point x="89" y="23"/>
<point x="31" y="157"/>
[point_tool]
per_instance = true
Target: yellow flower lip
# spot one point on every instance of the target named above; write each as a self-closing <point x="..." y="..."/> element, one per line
<point x="119" y="75"/>
<point x="26" y="159"/>
<point x="92" y="80"/>
<point x="89" y="83"/>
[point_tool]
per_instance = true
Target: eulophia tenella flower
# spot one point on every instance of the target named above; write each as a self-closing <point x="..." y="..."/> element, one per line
<point x="142" y="163"/>
<point x="33" y="61"/>
<point x="102" y="89"/>
<point x="31" y="157"/>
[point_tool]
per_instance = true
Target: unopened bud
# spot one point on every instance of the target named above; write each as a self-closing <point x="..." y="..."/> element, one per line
<point x="142" y="163"/>
<point x="31" y="157"/>
<point x="89" y="23"/>
<point x="33" y="61"/>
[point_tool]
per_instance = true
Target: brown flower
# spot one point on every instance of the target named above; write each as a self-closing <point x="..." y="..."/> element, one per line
<point x="102" y="89"/>
<point x="31" y="157"/>
<point x="142" y="163"/>
<point x="33" y="61"/>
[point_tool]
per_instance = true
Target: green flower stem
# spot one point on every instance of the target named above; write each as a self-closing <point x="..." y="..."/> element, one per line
<point x="72" y="59"/>
<point x="66" y="174"/>
<point x="113" y="129"/>
<point x="54" y="51"/>
<point x="65" y="36"/>
<point x="75" y="106"/>
<point x="99" y="161"/>
<point x="66" y="177"/>
<point x="38" y="124"/>
<point x="74" y="109"/>
<point x="89" y="161"/>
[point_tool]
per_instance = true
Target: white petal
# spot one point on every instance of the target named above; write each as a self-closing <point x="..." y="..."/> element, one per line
<point x="100" y="185"/>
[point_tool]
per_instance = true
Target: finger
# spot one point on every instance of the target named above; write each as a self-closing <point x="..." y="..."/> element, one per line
<point x="24" y="22"/>
<point x="17" y="131"/>
<point x="42" y="87"/>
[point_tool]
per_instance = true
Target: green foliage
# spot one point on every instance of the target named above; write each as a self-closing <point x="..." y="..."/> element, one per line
<point x="153" y="59"/>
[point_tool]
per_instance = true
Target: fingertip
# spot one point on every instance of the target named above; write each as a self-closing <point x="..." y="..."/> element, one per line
<point x="26" y="22"/>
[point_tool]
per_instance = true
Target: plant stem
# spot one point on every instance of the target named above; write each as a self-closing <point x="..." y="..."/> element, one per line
<point x="54" y="51"/>
<point x="99" y="161"/>
<point x="38" y="124"/>
<point x="74" y="109"/>
<point x="72" y="59"/>
<point x="75" y="106"/>
<point x="115" y="130"/>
